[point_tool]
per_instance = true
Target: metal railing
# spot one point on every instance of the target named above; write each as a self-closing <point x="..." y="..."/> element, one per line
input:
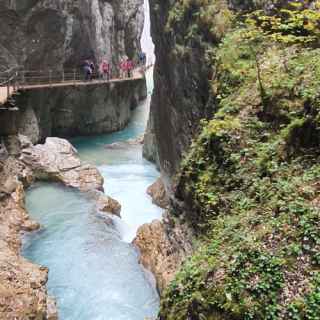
<point x="14" y="79"/>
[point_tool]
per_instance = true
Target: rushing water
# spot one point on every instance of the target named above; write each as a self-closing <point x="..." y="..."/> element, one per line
<point x="94" y="270"/>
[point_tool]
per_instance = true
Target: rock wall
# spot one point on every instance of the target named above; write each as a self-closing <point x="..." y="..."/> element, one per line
<point x="82" y="110"/>
<point x="41" y="34"/>
<point x="180" y="96"/>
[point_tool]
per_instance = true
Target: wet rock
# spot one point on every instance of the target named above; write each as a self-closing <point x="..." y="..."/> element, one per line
<point x="125" y="144"/>
<point x="105" y="203"/>
<point x="22" y="284"/>
<point x="163" y="248"/>
<point x="158" y="194"/>
<point x="9" y="185"/>
<point x="57" y="160"/>
<point x="52" y="311"/>
<point x="150" y="149"/>
<point x="30" y="226"/>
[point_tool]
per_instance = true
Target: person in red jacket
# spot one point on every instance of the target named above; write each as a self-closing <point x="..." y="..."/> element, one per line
<point x="105" y="70"/>
<point x="122" y="67"/>
<point x="129" y="67"/>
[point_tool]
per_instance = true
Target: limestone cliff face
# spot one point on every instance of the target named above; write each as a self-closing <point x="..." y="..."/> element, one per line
<point x="181" y="83"/>
<point x="37" y="34"/>
<point x="180" y="97"/>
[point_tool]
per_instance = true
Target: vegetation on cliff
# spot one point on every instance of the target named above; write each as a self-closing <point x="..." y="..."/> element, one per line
<point x="251" y="177"/>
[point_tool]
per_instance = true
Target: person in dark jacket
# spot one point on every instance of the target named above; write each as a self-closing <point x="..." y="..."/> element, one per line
<point x="142" y="58"/>
<point x="87" y="70"/>
<point x="92" y="67"/>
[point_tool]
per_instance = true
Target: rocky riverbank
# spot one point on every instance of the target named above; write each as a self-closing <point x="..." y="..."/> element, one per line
<point x="23" y="293"/>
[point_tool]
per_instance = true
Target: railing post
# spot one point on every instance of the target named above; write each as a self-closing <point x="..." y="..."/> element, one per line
<point x="62" y="75"/>
<point x="74" y="76"/>
<point x="22" y="78"/>
<point x="50" y="77"/>
<point x="8" y="88"/>
<point x="17" y="80"/>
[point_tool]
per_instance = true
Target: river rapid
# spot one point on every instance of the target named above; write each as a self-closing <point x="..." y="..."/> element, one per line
<point x="93" y="268"/>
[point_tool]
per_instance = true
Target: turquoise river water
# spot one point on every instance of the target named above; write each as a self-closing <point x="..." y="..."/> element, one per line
<point x="94" y="270"/>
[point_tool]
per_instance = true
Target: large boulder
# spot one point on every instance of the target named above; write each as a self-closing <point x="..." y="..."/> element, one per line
<point x="57" y="160"/>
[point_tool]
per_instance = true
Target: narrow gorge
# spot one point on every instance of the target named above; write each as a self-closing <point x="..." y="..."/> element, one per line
<point x="79" y="238"/>
<point x="188" y="193"/>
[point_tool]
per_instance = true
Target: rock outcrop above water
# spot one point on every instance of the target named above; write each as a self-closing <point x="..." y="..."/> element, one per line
<point x="57" y="160"/>
<point x="105" y="203"/>
<point x="158" y="194"/>
<point x="160" y="244"/>
<point x="61" y="33"/>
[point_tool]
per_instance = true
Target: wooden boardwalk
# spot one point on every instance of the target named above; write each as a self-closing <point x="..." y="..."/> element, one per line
<point x="137" y="74"/>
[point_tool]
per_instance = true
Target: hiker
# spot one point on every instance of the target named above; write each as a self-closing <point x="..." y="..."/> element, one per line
<point x="92" y="67"/>
<point x="105" y="70"/>
<point x="142" y="59"/>
<point x="122" y="68"/>
<point x="87" y="70"/>
<point x="129" y="67"/>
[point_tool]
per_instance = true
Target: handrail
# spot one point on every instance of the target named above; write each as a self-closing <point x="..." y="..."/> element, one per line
<point x="14" y="78"/>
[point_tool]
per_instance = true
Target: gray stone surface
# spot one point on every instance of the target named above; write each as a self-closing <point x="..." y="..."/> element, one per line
<point x="181" y="93"/>
<point x="37" y="34"/>
<point x="57" y="160"/>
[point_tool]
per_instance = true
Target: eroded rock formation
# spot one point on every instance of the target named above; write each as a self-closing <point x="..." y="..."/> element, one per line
<point x="23" y="292"/>
<point x="158" y="194"/>
<point x="57" y="160"/>
<point x="163" y="247"/>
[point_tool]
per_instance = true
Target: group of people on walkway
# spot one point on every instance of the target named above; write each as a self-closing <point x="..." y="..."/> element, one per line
<point x="103" y="71"/>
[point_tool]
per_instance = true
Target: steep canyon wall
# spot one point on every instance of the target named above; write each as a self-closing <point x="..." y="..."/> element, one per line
<point x="42" y="34"/>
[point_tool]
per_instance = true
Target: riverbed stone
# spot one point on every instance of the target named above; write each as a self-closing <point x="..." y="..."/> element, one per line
<point x="108" y="204"/>
<point x="105" y="203"/>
